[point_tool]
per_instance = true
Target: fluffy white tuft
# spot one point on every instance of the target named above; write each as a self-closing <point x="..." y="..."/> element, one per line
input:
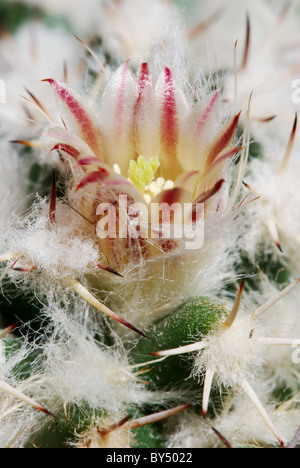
<point x="58" y="253"/>
<point x="232" y="353"/>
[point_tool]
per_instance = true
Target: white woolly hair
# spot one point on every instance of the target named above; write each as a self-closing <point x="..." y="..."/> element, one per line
<point x="57" y="253"/>
<point x="231" y="354"/>
<point x="72" y="367"/>
<point x="13" y="175"/>
<point x="80" y="369"/>
<point x="128" y="27"/>
<point x="278" y="206"/>
<point x="281" y="363"/>
<point x="242" y="426"/>
<point x="146" y="291"/>
<point x="17" y="419"/>
<point x="152" y="289"/>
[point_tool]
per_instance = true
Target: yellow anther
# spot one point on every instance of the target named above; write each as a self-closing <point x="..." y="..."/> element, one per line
<point x="154" y="164"/>
<point x="140" y="180"/>
<point x="141" y="161"/>
<point x="142" y="172"/>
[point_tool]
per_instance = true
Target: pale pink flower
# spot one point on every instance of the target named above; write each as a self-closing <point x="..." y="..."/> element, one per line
<point x="179" y="141"/>
<point x="163" y="148"/>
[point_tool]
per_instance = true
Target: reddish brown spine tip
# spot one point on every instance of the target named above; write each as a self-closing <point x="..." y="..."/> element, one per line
<point x="266" y="119"/>
<point x="20" y="142"/>
<point x="222" y="438"/>
<point x="45" y="411"/>
<point x="282" y="444"/>
<point x="107" y="268"/>
<point x="132" y="327"/>
<point x="24" y="269"/>
<point x="13" y="326"/>
<point x="113" y="427"/>
<point x="52" y="207"/>
<point x="48" y="80"/>
<point x="77" y="38"/>
<point x="110" y="270"/>
<point x="156" y="353"/>
<point x="247" y="43"/>
<point x="278" y="245"/>
<point x="295" y="124"/>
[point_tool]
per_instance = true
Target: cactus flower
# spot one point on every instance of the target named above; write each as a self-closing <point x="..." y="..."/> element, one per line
<point x="152" y="185"/>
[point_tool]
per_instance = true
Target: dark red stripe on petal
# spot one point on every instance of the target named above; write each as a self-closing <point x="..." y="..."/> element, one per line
<point x="90" y="161"/>
<point x="89" y="132"/>
<point x="170" y="166"/>
<point x="171" y="196"/>
<point x="228" y="154"/>
<point x="144" y="78"/>
<point x="206" y="114"/>
<point x="210" y="193"/>
<point x="70" y="150"/>
<point x="121" y="98"/>
<point x="169" y="124"/>
<point x="223" y="140"/>
<point x="92" y="178"/>
<point x="143" y="83"/>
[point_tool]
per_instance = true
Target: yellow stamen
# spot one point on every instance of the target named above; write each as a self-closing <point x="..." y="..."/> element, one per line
<point x="142" y="172"/>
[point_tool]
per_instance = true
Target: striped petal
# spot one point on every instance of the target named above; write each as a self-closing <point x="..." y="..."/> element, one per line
<point x="222" y="140"/>
<point x="197" y="132"/>
<point x="173" y="111"/>
<point x="117" y="118"/>
<point x="77" y="117"/>
<point x="167" y="210"/>
<point x="147" y="119"/>
<point x="58" y="135"/>
<point x="92" y="178"/>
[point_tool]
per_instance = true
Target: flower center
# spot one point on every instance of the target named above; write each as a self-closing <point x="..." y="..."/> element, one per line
<point x="142" y="172"/>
